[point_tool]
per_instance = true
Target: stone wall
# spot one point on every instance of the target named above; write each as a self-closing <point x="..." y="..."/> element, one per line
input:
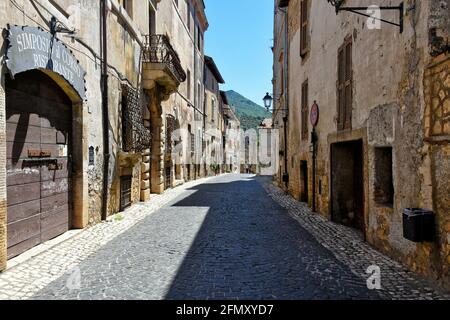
<point x="124" y="57"/>
<point x="390" y="103"/>
<point x="3" y="231"/>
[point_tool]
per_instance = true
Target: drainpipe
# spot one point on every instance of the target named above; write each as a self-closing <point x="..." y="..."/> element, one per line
<point x="314" y="139"/>
<point x="286" y="93"/>
<point x="196" y="93"/>
<point x="104" y="84"/>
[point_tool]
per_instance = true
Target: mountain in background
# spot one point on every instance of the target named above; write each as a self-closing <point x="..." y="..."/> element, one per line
<point x="249" y="113"/>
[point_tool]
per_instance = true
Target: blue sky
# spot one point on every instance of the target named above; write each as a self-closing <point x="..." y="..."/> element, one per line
<point x="239" y="39"/>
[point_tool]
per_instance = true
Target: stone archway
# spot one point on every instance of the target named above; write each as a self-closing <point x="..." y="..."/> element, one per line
<point x="45" y="156"/>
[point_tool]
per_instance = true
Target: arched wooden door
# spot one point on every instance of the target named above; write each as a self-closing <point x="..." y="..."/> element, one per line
<point x="38" y="127"/>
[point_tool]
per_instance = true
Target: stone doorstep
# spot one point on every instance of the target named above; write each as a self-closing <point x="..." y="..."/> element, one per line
<point x="41" y="248"/>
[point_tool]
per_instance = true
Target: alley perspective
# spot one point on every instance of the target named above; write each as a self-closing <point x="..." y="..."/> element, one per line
<point x="132" y="169"/>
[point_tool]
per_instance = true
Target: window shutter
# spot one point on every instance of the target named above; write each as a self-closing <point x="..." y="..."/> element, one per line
<point x="348" y="85"/>
<point x="303" y="27"/>
<point x="340" y="90"/>
<point x="305" y="110"/>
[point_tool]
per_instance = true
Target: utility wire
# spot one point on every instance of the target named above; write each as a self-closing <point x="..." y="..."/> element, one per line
<point x="96" y="56"/>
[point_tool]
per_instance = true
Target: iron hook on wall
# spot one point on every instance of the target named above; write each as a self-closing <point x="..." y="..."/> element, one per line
<point x="359" y="10"/>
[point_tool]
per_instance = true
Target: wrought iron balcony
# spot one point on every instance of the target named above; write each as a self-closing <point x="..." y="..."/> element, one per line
<point x="162" y="64"/>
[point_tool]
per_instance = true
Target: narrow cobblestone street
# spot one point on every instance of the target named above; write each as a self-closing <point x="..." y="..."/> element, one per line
<point x="218" y="238"/>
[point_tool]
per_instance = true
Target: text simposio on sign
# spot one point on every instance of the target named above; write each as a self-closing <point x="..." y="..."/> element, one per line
<point x="33" y="48"/>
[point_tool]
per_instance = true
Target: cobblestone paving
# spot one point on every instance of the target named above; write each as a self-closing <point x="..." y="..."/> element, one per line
<point x="224" y="239"/>
<point x="398" y="283"/>
<point x="220" y="238"/>
<point x="28" y="278"/>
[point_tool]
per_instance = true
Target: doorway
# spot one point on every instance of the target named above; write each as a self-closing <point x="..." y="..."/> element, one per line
<point x="304" y="196"/>
<point x="347" y="184"/>
<point x="39" y="166"/>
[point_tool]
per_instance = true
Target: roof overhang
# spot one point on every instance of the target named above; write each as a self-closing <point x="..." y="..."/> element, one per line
<point x="213" y="68"/>
<point x="224" y="97"/>
<point x="283" y="3"/>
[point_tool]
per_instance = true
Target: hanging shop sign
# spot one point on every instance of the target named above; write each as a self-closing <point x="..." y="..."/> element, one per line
<point x="33" y="48"/>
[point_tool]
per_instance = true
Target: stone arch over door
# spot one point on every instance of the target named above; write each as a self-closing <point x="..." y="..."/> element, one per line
<point x="45" y="154"/>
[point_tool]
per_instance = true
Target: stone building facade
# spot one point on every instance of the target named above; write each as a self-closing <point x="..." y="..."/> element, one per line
<point x="214" y="120"/>
<point x="280" y="92"/>
<point x="232" y="155"/>
<point x="101" y="105"/>
<point x="383" y="130"/>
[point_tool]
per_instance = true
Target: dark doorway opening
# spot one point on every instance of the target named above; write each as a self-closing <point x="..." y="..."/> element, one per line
<point x="347" y="183"/>
<point x="304" y="197"/>
<point x="384" y="182"/>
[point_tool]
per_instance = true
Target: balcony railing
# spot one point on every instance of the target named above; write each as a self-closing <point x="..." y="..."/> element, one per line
<point x="159" y="50"/>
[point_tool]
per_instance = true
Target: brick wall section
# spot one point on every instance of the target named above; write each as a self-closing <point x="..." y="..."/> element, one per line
<point x="3" y="238"/>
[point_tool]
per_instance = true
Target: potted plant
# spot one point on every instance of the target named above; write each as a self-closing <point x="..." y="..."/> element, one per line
<point x="215" y="168"/>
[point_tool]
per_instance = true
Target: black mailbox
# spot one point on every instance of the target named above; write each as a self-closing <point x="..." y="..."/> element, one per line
<point x="286" y="177"/>
<point x="418" y="225"/>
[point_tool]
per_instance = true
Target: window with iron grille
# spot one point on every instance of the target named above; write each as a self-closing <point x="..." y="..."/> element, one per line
<point x="344" y="86"/>
<point x="304" y="45"/>
<point x="305" y="110"/>
<point x="125" y="192"/>
<point x="192" y="143"/>
<point x="168" y="177"/>
<point x="170" y="128"/>
<point x="135" y="136"/>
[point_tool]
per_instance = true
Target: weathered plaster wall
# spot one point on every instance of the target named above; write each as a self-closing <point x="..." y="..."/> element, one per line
<point x="172" y="21"/>
<point x="124" y="56"/>
<point x="388" y="99"/>
<point x="39" y="14"/>
<point x="3" y="231"/>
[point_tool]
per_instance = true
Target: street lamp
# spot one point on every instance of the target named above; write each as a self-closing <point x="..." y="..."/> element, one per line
<point x="268" y="104"/>
<point x="268" y="101"/>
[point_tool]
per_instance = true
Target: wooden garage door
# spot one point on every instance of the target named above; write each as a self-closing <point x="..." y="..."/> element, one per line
<point x="38" y="130"/>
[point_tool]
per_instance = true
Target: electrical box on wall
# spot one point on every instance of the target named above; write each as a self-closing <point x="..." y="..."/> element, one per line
<point x="418" y="225"/>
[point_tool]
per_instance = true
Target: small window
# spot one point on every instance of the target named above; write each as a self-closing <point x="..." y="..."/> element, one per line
<point x="128" y="6"/>
<point x="188" y="15"/>
<point x="126" y="126"/>
<point x="199" y="95"/>
<point x="199" y="38"/>
<point x="192" y="142"/>
<point x="188" y="84"/>
<point x="125" y="192"/>
<point x="152" y="21"/>
<point x="305" y="110"/>
<point x="213" y="110"/>
<point x="384" y="184"/>
<point x="304" y="27"/>
<point x="344" y="86"/>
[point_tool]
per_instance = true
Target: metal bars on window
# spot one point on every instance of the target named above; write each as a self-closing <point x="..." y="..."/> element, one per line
<point x="136" y="137"/>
